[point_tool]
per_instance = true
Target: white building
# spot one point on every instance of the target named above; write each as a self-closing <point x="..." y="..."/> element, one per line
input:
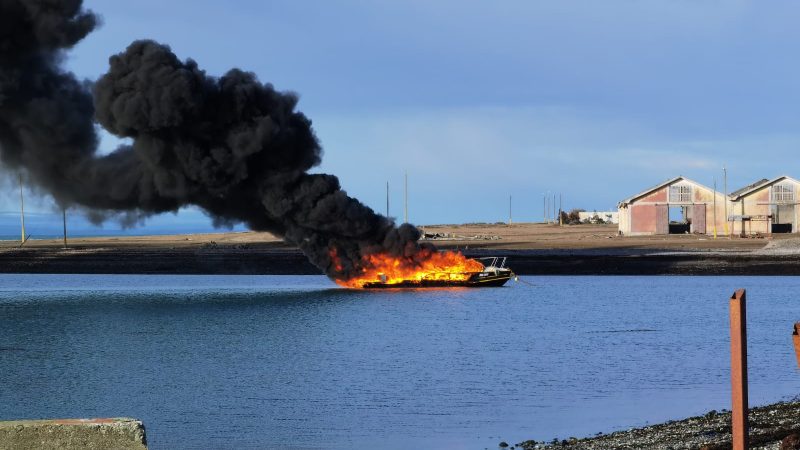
<point x="607" y="216"/>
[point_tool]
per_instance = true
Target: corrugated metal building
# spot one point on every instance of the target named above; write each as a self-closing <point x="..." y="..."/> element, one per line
<point x="766" y="206"/>
<point x="676" y="206"/>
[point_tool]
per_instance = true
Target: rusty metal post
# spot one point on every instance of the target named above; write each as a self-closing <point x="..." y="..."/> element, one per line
<point x="796" y="340"/>
<point x="738" y="312"/>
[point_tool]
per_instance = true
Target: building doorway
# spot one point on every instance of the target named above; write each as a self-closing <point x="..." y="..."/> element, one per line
<point x="782" y="218"/>
<point x="679" y="220"/>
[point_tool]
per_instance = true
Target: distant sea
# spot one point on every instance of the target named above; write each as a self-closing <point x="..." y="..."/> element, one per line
<point x="50" y="226"/>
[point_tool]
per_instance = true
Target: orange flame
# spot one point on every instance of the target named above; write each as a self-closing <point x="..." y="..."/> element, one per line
<point x="385" y="269"/>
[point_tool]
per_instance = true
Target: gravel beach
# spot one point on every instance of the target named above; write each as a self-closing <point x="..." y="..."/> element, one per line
<point x="769" y="426"/>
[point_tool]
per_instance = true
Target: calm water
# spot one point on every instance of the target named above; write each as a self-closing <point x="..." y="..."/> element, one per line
<point x="275" y="362"/>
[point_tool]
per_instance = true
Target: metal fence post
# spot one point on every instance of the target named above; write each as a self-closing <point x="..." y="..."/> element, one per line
<point x="738" y="312"/>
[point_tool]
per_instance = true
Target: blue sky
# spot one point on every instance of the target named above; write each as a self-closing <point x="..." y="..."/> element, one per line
<point x="482" y="100"/>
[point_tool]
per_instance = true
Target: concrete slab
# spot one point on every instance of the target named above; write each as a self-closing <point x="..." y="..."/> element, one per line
<point x="67" y="434"/>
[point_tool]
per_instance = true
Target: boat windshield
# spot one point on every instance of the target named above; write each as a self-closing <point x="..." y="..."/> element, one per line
<point x="493" y="261"/>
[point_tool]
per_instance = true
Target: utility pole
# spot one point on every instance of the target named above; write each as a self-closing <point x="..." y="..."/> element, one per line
<point x="405" y="212"/>
<point x="560" y="208"/>
<point x="509" y="210"/>
<point x="544" y="208"/>
<point x="554" y="207"/>
<point x="715" y="207"/>
<point x="21" y="209"/>
<point x="387" y="199"/>
<point x="725" y="177"/>
<point x="64" y="212"/>
<point x="547" y="207"/>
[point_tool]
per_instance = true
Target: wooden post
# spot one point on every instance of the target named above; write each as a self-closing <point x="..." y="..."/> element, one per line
<point x="738" y="313"/>
<point x="796" y="341"/>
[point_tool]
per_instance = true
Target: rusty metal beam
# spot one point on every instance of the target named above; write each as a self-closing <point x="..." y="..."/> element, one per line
<point x="738" y="313"/>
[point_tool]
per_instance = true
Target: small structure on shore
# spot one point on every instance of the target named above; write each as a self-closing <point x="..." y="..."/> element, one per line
<point x="680" y="205"/>
<point x="765" y="207"/>
<point x="597" y="216"/>
<point x="676" y="206"/>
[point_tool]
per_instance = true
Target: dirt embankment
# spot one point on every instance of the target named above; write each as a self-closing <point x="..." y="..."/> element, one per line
<point x="532" y="249"/>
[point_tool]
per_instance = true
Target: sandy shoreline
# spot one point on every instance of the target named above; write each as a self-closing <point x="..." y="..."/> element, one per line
<point x="522" y="236"/>
<point x="532" y="249"/>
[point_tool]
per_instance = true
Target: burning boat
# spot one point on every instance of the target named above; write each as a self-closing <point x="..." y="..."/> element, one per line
<point x="481" y="272"/>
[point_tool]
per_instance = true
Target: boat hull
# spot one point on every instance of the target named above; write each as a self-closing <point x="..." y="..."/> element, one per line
<point x="472" y="282"/>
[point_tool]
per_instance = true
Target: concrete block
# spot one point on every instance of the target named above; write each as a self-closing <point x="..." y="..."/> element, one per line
<point x="69" y="434"/>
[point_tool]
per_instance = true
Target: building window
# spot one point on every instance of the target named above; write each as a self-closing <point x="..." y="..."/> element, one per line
<point x="680" y="193"/>
<point x="782" y="193"/>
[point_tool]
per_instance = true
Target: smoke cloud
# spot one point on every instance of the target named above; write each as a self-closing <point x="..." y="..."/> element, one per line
<point x="232" y="145"/>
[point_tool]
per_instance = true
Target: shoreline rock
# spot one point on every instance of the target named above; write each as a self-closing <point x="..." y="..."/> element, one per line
<point x="769" y="426"/>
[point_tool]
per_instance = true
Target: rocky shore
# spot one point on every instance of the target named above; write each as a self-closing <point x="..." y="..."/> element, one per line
<point x="772" y="427"/>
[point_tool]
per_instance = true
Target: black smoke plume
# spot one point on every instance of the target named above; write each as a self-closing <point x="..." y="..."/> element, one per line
<point x="232" y="145"/>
